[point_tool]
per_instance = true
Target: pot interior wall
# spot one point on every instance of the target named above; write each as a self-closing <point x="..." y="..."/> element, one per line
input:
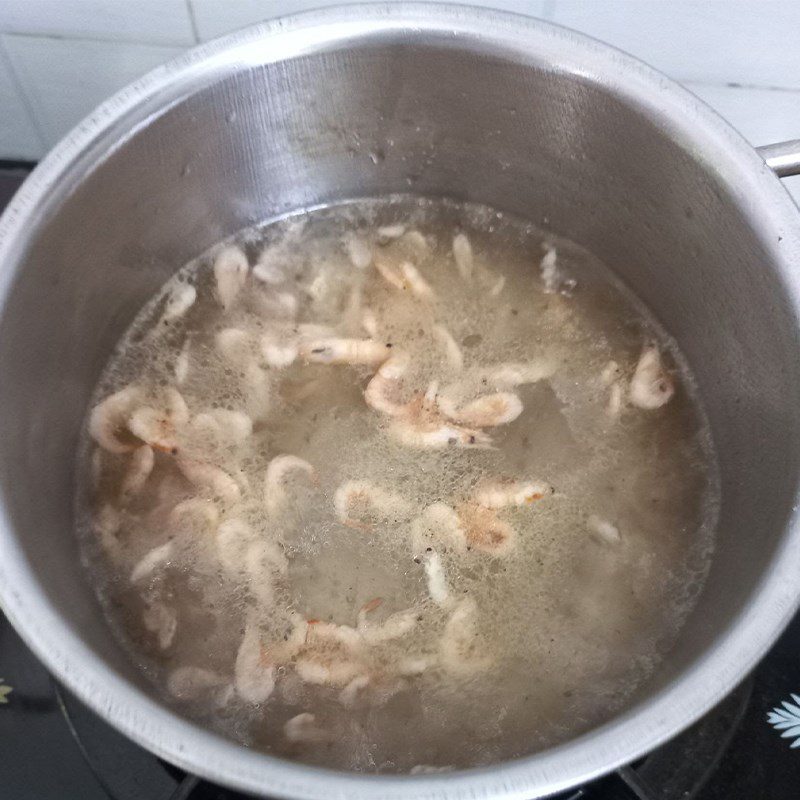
<point x="541" y="140"/>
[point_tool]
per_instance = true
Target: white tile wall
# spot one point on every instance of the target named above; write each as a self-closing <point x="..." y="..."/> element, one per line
<point x="156" y="21"/>
<point x="762" y="116"/>
<point x="64" y="79"/>
<point x="215" y="17"/>
<point x="19" y="136"/>
<point x="715" y="41"/>
<point x="59" y="58"/>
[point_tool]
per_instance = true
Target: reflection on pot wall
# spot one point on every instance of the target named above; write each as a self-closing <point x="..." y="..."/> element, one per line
<point x="60" y="58"/>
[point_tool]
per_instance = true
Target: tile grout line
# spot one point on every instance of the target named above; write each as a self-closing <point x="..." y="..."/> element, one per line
<point x="758" y="87"/>
<point x="68" y="37"/>
<point x="23" y="96"/>
<point x="192" y="21"/>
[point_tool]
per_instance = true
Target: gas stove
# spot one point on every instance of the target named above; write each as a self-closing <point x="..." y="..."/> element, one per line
<point x="53" y="748"/>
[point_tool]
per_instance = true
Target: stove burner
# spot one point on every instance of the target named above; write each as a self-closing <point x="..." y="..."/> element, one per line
<point x="676" y="771"/>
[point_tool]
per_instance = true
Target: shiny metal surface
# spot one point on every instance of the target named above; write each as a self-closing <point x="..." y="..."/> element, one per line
<point x="782" y="157"/>
<point x="477" y="105"/>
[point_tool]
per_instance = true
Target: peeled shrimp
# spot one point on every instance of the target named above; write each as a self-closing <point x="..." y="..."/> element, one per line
<point x="159" y="427"/>
<point x="352" y="640"/>
<point x="151" y="561"/>
<point x="435" y="433"/>
<point x="549" y="269"/>
<point x="497" y="286"/>
<point x="230" y="272"/>
<point x="453" y="354"/>
<point x="257" y="390"/>
<point x="137" y="473"/>
<point x="278" y="354"/>
<point x="406" y="278"/>
<point x="462" y="253"/>
<point x="414" y="241"/>
<point x="181" y="369"/>
<point x="223" y="426"/>
<point x="386" y="382"/>
<point x="343" y="635"/>
<point x="612" y="377"/>
<point x="487" y="411"/>
<point x="332" y="672"/>
<point x="242" y="554"/>
<point x="266" y="271"/>
<point x="109" y="419"/>
<point x="160" y="619"/>
<point x="347" y="696"/>
<point x="234" y="345"/>
<point x="345" y="351"/>
<point x="393" y="627"/>
<point x="616" y="400"/>
<point x="484" y="531"/>
<point x="188" y="683"/>
<point x="418" y="286"/>
<point x="233" y="538"/>
<point x="459" y="647"/>
<point x="419" y="423"/>
<point x="353" y="500"/>
<point x="330" y="655"/>
<point x="439" y="524"/>
<point x="389" y="274"/>
<point x="424" y="436"/>
<point x="107" y="520"/>
<point x="195" y="514"/>
<point x="388" y="232"/>
<point x="155" y="427"/>
<point x="414" y="665"/>
<point x="369" y="322"/>
<point x="285" y="649"/>
<point x="304" y="728"/>
<point x="602" y="529"/>
<point x="509" y="376"/>
<point x="503" y="405"/>
<point x="106" y="523"/>
<point x="611" y="373"/>
<point x="263" y="561"/>
<point x="212" y="478"/>
<point x="501" y="493"/>
<point x="275" y="494"/>
<point x="437" y="582"/>
<point x="180" y="300"/>
<point x="651" y="386"/>
<point x="253" y="680"/>
<point x="358" y="251"/>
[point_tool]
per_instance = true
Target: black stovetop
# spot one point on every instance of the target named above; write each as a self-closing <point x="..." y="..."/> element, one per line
<point x="53" y="748"/>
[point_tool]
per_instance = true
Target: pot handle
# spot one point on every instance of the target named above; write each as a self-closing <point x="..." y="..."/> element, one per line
<point x="782" y="157"/>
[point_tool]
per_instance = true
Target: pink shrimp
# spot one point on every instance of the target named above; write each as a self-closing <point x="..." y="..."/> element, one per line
<point x="651" y="386"/>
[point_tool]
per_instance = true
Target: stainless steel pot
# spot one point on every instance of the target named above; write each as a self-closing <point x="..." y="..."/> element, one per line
<point x="362" y="101"/>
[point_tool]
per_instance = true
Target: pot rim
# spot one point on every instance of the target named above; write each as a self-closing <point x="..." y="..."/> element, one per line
<point x="638" y="730"/>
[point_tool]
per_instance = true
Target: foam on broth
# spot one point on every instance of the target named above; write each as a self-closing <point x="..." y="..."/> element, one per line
<point x="484" y="633"/>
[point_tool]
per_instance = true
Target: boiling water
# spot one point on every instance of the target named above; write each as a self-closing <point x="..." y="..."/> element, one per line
<point x="442" y="579"/>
